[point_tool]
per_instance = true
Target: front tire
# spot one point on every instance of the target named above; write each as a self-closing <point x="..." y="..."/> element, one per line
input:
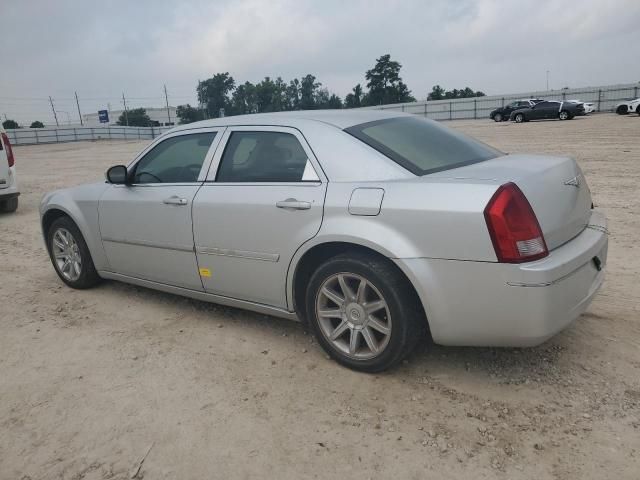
<point x="519" y="118"/>
<point x="563" y="115"/>
<point x="497" y="117"/>
<point x="9" y="206"/>
<point x="622" y="110"/>
<point x="70" y="255"/>
<point x="363" y="312"/>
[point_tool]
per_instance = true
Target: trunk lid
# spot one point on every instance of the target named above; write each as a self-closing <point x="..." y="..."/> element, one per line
<point x="4" y="165"/>
<point x="554" y="186"/>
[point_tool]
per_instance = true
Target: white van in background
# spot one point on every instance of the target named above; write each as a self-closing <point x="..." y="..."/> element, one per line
<point x="8" y="181"/>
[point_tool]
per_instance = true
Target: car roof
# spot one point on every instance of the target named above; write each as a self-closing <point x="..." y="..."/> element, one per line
<point x="338" y="118"/>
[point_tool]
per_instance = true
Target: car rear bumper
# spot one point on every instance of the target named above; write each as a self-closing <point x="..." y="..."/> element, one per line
<point x="10" y="187"/>
<point x="497" y="304"/>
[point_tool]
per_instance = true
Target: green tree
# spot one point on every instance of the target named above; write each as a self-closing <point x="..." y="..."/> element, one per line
<point x="267" y="96"/>
<point x="309" y="92"/>
<point x="188" y="114"/>
<point x="328" y="101"/>
<point x="214" y="93"/>
<point x="354" y="99"/>
<point x="136" y="117"/>
<point x="244" y="99"/>
<point x="437" y="93"/>
<point x="37" y="124"/>
<point x="292" y="95"/>
<point x="10" y="124"/>
<point x="384" y="83"/>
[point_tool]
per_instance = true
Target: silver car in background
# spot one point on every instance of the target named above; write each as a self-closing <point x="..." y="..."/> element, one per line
<point x="377" y="228"/>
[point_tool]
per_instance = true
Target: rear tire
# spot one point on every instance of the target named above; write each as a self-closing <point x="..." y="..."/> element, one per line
<point x="497" y="117"/>
<point x="367" y="328"/>
<point x="9" y="206"/>
<point x="519" y="118"/>
<point x="563" y="115"/>
<point x="70" y="255"/>
<point x="622" y="110"/>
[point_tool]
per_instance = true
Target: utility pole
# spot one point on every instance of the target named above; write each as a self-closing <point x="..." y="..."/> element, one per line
<point x="166" y="99"/>
<point x="54" y="111"/>
<point x="547" y="80"/>
<point x="78" y="104"/>
<point x="126" y="113"/>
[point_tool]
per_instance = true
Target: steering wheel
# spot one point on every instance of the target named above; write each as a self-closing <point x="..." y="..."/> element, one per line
<point x="150" y="174"/>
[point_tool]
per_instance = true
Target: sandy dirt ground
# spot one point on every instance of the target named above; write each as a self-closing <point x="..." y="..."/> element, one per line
<point x="92" y="381"/>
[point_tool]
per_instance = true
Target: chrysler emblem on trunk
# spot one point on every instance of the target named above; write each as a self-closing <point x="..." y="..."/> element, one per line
<point x="574" y="182"/>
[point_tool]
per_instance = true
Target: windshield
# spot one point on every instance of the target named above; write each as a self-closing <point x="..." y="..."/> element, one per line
<point x="422" y="146"/>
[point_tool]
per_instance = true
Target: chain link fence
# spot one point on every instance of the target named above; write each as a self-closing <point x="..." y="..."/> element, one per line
<point x="33" y="136"/>
<point x="604" y="99"/>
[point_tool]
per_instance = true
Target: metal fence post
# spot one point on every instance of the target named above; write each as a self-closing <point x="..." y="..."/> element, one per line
<point x="138" y="133"/>
<point x="425" y="109"/>
<point x="36" y="132"/>
<point x="56" y="130"/>
<point x="475" y="109"/>
<point x="450" y="112"/>
<point x="75" y="135"/>
<point x="635" y="92"/>
<point x="502" y="102"/>
<point x="599" y="98"/>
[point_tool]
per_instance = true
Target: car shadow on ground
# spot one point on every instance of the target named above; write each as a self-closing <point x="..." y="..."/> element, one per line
<point x="542" y="364"/>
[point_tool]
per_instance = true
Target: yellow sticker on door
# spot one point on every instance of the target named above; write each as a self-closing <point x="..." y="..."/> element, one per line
<point x="205" y="272"/>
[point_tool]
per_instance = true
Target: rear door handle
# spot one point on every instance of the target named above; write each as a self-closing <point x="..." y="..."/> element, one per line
<point x="293" y="204"/>
<point x="175" y="200"/>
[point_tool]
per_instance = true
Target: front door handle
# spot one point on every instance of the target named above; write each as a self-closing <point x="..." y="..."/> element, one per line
<point x="293" y="204"/>
<point x="175" y="200"/>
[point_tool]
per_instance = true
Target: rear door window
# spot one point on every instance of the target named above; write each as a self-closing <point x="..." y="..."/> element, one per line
<point x="264" y="157"/>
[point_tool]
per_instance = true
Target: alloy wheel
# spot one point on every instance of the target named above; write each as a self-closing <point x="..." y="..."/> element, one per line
<point x="66" y="254"/>
<point x="353" y="316"/>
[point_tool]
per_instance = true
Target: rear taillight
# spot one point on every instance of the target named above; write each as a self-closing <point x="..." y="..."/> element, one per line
<point x="7" y="146"/>
<point x="513" y="227"/>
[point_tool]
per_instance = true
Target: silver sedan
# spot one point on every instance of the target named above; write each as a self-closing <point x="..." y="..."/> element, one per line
<point x="378" y="229"/>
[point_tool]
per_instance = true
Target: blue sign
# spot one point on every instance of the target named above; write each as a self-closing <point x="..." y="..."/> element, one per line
<point x="103" y="116"/>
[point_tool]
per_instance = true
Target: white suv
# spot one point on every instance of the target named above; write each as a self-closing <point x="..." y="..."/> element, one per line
<point x="628" y="106"/>
<point x="8" y="181"/>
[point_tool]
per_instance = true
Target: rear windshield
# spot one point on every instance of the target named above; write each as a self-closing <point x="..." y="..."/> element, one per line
<point x="422" y="146"/>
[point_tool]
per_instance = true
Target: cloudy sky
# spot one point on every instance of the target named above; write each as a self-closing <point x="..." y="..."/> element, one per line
<point x="101" y="49"/>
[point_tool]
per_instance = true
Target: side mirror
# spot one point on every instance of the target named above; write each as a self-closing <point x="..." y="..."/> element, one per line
<point x="117" y="175"/>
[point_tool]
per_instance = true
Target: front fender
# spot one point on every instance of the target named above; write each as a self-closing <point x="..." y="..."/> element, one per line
<point x="81" y="205"/>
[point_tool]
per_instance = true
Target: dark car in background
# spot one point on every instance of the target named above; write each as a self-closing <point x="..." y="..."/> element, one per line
<point x="548" y="110"/>
<point x="503" y="113"/>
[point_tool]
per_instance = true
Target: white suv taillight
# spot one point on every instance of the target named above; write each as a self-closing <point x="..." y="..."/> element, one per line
<point x="513" y="226"/>
<point x="7" y="146"/>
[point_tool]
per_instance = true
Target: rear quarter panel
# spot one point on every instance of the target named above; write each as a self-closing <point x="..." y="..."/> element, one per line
<point x="418" y="219"/>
